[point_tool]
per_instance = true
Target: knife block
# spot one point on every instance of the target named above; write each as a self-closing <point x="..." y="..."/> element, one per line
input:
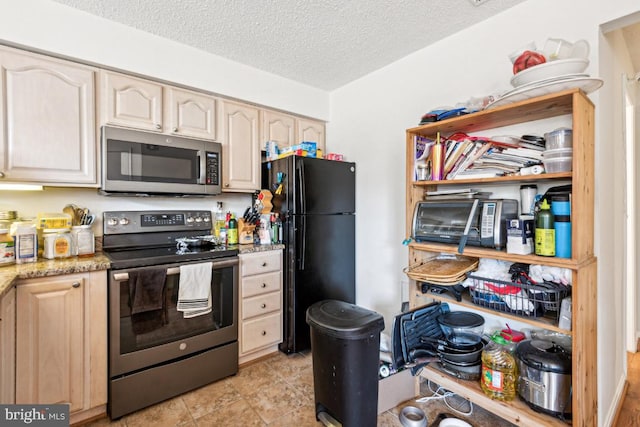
<point x="265" y="199"/>
<point x="245" y="232"/>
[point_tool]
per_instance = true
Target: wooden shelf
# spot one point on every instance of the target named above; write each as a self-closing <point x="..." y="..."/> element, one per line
<point x="538" y="322"/>
<point x="497" y="179"/>
<point x="496" y="254"/>
<point x="516" y="411"/>
<point x="578" y="108"/>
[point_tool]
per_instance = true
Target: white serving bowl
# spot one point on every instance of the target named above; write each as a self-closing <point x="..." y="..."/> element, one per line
<point x="548" y="70"/>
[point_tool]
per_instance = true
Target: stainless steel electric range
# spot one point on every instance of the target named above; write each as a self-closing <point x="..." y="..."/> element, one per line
<point x="156" y="351"/>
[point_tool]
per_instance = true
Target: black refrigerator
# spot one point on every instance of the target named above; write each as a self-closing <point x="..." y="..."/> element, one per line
<point x="316" y="201"/>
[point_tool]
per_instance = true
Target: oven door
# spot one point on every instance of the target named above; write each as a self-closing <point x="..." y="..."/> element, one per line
<point x="145" y="339"/>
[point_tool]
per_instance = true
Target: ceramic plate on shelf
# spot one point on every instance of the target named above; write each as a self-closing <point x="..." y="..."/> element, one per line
<point x="587" y="84"/>
<point x="548" y="70"/>
<point x="543" y="82"/>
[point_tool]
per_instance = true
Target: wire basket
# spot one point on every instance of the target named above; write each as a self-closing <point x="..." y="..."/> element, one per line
<point x="518" y="298"/>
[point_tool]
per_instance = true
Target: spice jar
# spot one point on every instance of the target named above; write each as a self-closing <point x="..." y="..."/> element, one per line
<point x="57" y="243"/>
<point x="83" y="240"/>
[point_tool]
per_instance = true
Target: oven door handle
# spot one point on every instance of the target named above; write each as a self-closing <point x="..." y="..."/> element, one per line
<point x="121" y="277"/>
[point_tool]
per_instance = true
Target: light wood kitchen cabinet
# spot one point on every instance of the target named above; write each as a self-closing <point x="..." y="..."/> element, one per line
<point x="190" y="113"/>
<point x="260" y="311"/>
<point x="288" y="130"/>
<point x="8" y="346"/>
<point x="278" y="127"/>
<point x="61" y="342"/>
<point x="47" y="120"/>
<point x="131" y="102"/>
<point x="576" y="108"/>
<point x="311" y="130"/>
<point x="240" y="147"/>
<point x="147" y="105"/>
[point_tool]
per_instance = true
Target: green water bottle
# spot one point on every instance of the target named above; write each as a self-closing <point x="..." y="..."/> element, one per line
<point x="545" y="236"/>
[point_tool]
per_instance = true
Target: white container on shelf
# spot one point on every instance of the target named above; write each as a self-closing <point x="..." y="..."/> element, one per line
<point x="558" y="164"/>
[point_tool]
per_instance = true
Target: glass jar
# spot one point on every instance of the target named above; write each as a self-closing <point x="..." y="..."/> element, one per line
<point x="499" y="369"/>
<point x="83" y="240"/>
<point x="57" y="243"/>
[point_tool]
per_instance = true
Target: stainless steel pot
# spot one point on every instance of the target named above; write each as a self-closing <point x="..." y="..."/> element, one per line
<point x="545" y="377"/>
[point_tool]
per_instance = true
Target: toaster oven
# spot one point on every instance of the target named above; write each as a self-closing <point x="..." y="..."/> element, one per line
<point x="473" y="222"/>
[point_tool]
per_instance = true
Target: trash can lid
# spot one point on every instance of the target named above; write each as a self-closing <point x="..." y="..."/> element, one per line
<point x="343" y="320"/>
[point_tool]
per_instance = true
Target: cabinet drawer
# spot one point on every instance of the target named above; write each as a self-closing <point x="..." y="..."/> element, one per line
<point x="261" y="284"/>
<point x="261" y="262"/>
<point x="261" y="332"/>
<point x="261" y="304"/>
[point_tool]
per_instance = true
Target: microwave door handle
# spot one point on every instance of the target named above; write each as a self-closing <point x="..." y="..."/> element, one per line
<point x="465" y="236"/>
<point x="202" y="165"/>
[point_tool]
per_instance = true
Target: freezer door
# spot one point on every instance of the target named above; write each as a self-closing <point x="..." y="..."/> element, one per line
<point x="320" y="264"/>
<point x="303" y="185"/>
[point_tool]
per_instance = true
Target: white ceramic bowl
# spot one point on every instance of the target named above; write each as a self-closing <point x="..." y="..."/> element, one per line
<point x="548" y="70"/>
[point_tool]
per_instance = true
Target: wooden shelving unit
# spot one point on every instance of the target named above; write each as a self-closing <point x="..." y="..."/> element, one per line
<point x="580" y="110"/>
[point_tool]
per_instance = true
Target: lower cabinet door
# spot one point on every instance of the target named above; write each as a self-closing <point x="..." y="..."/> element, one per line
<point x="261" y="332"/>
<point x="50" y="350"/>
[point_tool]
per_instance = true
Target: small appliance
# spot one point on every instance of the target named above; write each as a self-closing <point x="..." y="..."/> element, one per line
<point x="135" y="162"/>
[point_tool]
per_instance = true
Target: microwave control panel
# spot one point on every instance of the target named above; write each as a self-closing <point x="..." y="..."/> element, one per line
<point x="213" y="168"/>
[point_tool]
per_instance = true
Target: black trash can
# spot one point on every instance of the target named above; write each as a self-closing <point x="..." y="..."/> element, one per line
<point x="345" y="345"/>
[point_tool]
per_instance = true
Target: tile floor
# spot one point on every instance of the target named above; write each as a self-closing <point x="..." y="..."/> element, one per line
<point x="276" y="391"/>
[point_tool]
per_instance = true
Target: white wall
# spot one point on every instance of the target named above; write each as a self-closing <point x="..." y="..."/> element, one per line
<point x="370" y="115"/>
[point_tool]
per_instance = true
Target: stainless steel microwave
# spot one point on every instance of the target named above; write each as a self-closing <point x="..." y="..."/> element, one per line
<point x="146" y="163"/>
<point x="474" y="222"/>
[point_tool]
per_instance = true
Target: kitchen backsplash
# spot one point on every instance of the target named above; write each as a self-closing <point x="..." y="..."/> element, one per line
<point x="53" y="199"/>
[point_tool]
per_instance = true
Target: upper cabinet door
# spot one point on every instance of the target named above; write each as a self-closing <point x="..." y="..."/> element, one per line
<point x="278" y="127"/>
<point x="312" y="131"/>
<point x="47" y="120"/>
<point x="190" y="113"/>
<point x="129" y="101"/>
<point x="240" y="148"/>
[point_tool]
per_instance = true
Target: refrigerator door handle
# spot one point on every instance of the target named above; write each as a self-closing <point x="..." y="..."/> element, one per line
<point x="301" y="187"/>
<point x="303" y="241"/>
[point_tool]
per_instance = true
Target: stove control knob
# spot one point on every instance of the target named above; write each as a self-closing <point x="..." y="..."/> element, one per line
<point x="190" y="219"/>
<point x="124" y="221"/>
<point x="112" y="222"/>
<point x="198" y="219"/>
<point x="206" y="219"/>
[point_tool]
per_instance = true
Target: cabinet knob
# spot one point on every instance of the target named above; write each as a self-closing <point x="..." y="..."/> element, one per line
<point x="158" y="127"/>
<point x="226" y="185"/>
<point x="264" y="333"/>
<point x="264" y="285"/>
<point x="263" y="306"/>
<point x="175" y="129"/>
<point x="264" y="264"/>
<point x="76" y="284"/>
<point x="1" y="174"/>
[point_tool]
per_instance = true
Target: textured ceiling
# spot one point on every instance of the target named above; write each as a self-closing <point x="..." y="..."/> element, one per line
<point x="322" y="43"/>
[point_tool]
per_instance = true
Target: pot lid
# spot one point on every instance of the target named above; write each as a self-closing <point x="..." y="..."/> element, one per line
<point x="461" y="319"/>
<point x="544" y="355"/>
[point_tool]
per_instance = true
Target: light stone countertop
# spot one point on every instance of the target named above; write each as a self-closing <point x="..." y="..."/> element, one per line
<point x="45" y="267"/>
<point x="50" y="267"/>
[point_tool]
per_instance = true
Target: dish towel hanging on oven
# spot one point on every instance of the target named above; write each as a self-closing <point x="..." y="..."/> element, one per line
<point x="194" y="289"/>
